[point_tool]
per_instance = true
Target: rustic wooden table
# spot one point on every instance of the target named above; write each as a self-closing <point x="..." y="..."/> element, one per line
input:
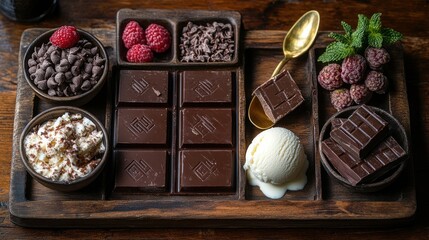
<point x="408" y="17"/>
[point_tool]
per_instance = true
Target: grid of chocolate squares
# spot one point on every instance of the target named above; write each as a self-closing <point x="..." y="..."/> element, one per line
<point x="360" y="147"/>
<point x="174" y="132"/>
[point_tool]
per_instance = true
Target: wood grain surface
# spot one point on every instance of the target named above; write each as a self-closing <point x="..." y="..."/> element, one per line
<point x="408" y="17"/>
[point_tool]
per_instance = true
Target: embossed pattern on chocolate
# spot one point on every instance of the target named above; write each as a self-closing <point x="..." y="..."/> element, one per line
<point x="205" y="126"/>
<point x="139" y="86"/>
<point x="187" y="127"/>
<point x="279" y="96"/>
<point x="141" y="169"/>
<point x="141" y="126"/>
<point x="361" y="132"/>
<point x="203" y="87"/>
<point x="383" y="158"/>
<point x="205" y="170"/>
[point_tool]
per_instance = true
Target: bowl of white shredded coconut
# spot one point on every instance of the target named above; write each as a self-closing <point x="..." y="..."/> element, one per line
<point x="64" y="148"/>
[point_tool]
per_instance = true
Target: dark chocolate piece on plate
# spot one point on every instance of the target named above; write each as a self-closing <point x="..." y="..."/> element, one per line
<point x="143" y="170"/>
<point x="139" y="86"/>
<point x="142" y="126"/>
<point x="384" y="157"/>
<point x="205" y="126"/>
<point x="361" y="132"/>
<point x="279" y="96"/>
<point x="206" y="87"/>
<point x="206" y="170"/>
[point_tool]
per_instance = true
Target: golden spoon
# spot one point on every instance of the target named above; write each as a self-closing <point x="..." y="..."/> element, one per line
<point x="297" y="41"/>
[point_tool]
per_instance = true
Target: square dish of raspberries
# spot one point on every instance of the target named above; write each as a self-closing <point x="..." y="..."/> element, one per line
<point x="152" y="37"/>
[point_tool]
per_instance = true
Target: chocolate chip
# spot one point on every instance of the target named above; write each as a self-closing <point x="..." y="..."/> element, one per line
<point x="32" y="69"/>
<point x="52" y="92"/>
<point x="60" y="78"/>
<point x="49" y="72"/>
<point x="99" y="61"/>
<point x="55" y="57"/>
<point x="45" y="64"/>
<point x="74" y="50"/>
<point x="75" y="70"/>
<point x="68" y="75"/>
<point x="31" y="62"/>
<point x="40" y="74"/>
<point x="86" y="86"/>
<point x="52" y="83"/>
<point x="88" y="67"/>
<point x="77" y="81"/>
<point x="86" y="76"/>
<point x="42" y="85"/>
<point x="94" y="50"/>
<point x="51" y="49"/>
<point x="72" y="58"/>
<point x="96" y="71"/>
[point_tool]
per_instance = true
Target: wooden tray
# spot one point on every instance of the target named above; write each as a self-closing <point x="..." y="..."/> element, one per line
<point x="322" y="203"/>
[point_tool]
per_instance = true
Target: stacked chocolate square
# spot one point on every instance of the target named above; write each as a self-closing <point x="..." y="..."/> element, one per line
<point x="361" y="147"/>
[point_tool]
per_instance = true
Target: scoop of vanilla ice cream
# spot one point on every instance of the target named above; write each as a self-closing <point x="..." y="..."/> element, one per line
<point x="276" y="160"/>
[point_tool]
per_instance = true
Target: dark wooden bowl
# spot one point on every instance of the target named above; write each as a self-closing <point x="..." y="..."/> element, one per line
<point x="395" y="129"/>
<point x="77" y="100"/>
<point x="56" y="185"/>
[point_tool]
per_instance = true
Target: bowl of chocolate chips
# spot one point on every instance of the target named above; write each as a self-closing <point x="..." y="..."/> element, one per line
<point x="66" y="66"/>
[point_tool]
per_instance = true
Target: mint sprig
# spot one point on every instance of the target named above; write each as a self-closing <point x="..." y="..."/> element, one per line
<point x="368" y="32"/>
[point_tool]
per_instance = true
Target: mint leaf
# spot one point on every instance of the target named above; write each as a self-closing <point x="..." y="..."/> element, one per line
<point x="390" y="36"/>
<point x="347" y="28"/>
<point x="338" y="37"/>
<point x="336" y="51"/>
<point x="375" y="22"/>
<point x="358" y="36"/>
<point x="375" y="40"/>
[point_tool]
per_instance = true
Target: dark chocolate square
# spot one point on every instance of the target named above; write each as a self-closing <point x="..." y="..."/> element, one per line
<point x="142" y="126"/>
<point x="384" y="157"/>
<point x="361" y="132"/>
<point x="279" y="96"/>
<point x="205" y="126"/>
<point x="206" y="170"/>
<point x="139" y="86"/>
<point x="206" y="87"/>
<point x="141" y="170"/>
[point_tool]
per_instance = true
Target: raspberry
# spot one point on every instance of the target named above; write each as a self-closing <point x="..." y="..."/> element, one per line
<point x="376" y="57"/>
<point x="139" y="53"/>
<point x="353" y="69"/>
<point x="158" y="38"/>
<point x="341" y="98"/>
<point x="65" y="37"/>
<point x="330" y="77"/>
<point x="360" y="93"/>
<point x="133" y="34"/>
<point x="376" y="82"/>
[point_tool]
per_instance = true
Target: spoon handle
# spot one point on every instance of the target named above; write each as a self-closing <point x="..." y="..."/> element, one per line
<point x="280" y="66"/>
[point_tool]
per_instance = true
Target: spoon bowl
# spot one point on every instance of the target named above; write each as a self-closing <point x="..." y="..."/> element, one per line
<point x="296" y="42"/>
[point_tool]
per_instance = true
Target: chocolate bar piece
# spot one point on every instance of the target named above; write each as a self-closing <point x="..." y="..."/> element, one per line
<point x="142" y="126"/>
<point x="205" y="126"/>
<point x="279" y="96"/>
<point x="361" y="132"/>
<point x="206" y="87"/>
<point x="141" y="170"/>
<point x="138" y="86"/>
<point x="383" y="158"/>
<point x="206" y="170"/>
<point x="337" y="122"/>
